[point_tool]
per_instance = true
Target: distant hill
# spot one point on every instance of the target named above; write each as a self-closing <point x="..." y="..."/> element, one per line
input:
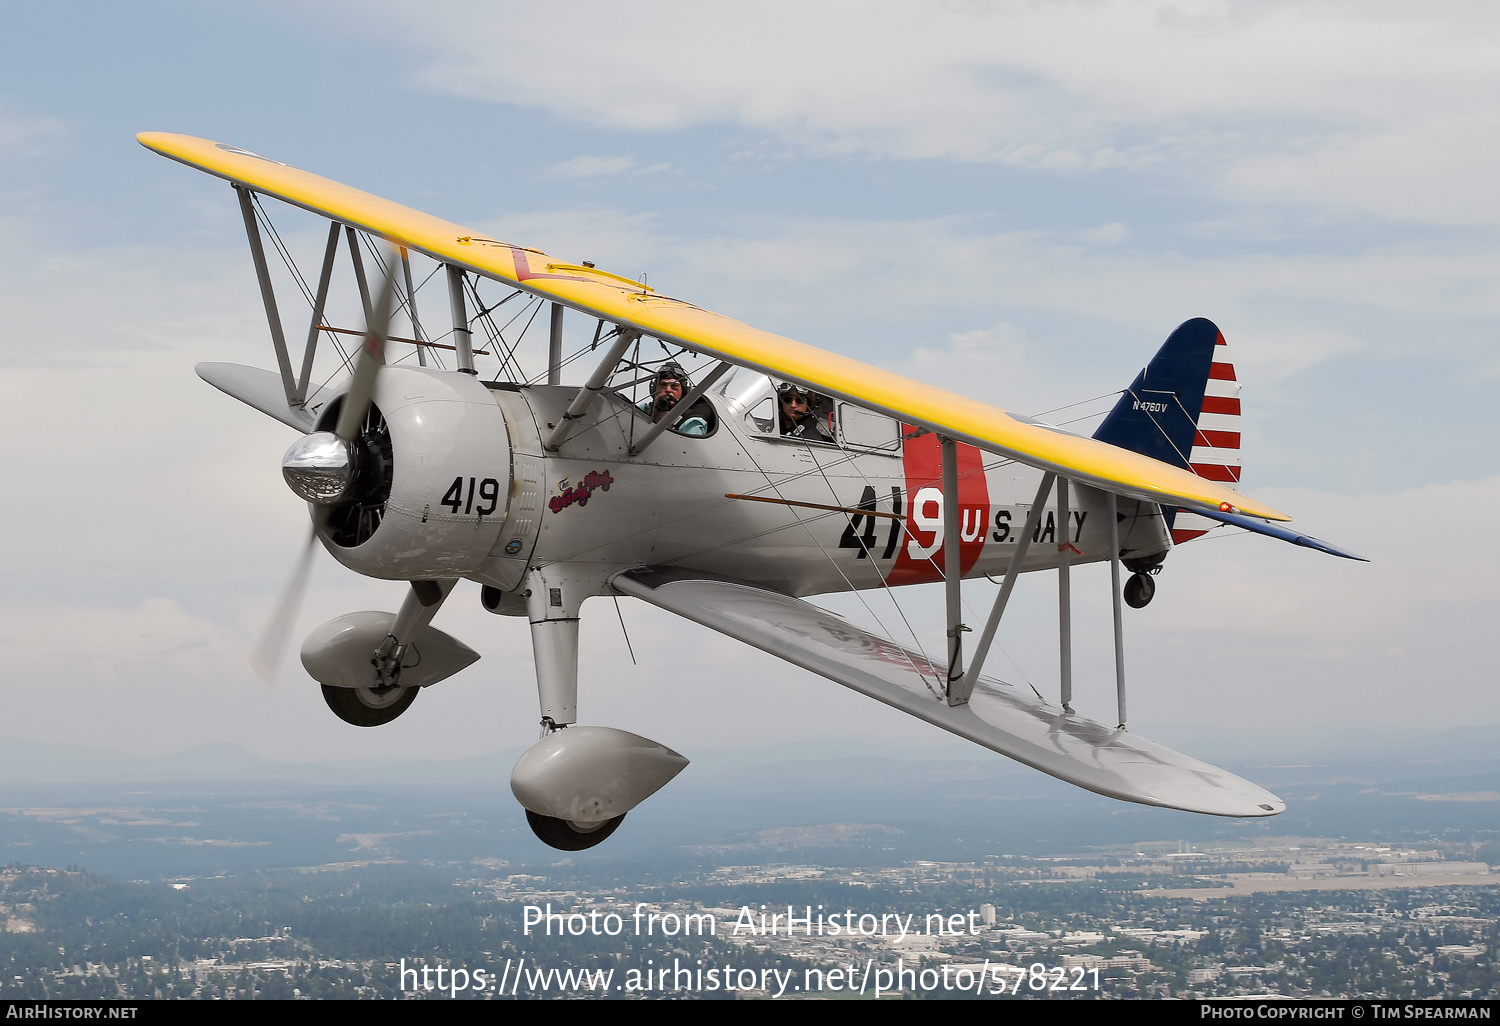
<point x="25" y="762"/>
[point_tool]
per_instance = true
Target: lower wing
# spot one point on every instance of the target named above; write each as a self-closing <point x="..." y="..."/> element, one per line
<point x="1103" y="759"/>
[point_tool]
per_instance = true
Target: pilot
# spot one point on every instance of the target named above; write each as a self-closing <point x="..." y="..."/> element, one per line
<point x="667" y="389"/>
<point x="798" y="416"/>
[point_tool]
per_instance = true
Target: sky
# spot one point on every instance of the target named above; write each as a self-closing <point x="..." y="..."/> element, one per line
<point x="1016" y="201"/>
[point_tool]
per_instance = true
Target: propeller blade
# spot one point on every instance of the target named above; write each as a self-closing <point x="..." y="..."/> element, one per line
<point x="371" y="359"/>
<point x="265" y="658"/>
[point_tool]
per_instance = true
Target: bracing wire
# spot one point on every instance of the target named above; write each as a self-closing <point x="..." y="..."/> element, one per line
<point x="403" y="301"/>
<point x="504" y="352"/>
<point x="345" y="364"/>
<point x="567" y="361"/>
<point x="430" y="275"/>
<point x="1081" y="402"/>
<point x="536" y="309"/>
<point x="281" y="249"/>
<point x="879" y="573"/>
<point x="1163" y="430"/>
<point x="906" y="532"/>
<point x="834" y="563"/>
<point x="487" y="325"/>
<point x="628" y="646"/>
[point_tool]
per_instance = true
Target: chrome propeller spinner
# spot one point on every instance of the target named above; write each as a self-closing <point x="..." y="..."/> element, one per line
<point x="319" y="467"/>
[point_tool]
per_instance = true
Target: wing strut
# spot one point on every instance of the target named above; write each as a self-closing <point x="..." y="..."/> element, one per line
<point x="463" y="338"/>
<point x="296" y="384"/>
<point x="590" y="391"/>
<point x="554" y="347"/>
<point x="959" y="694"/>
<point x="411" y="308"/>
<point x="1114" y="582"/>
<point x="952" y="566"/>
<point x="961" y="684"/>
<point x="268" y="294"/>
<point x="1065" y="594"/>
<point x="330" y="252"/>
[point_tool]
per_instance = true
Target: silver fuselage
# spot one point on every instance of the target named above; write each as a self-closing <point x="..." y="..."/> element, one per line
<point x="597" y="509"/>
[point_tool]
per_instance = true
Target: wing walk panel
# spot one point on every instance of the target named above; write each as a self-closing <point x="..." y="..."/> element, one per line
<point x="1111" y="762"/>
<point x="613" y="298"/>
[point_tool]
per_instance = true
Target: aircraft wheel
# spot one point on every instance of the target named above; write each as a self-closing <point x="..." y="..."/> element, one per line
<point x="1139" y="591"/>
<point x="564" y="836"/>
<point x="369" y="707"/>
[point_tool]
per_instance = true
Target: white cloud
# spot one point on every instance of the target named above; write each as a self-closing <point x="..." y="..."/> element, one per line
<point x="1248" y="225"/>
<point x="1297" y="594"/>
<point x="1280" y="634"/>
<point x="1109" y="234"/>
<point x="1382" y="108"/>
<point x="1437" y="169"/>
<point x="590" y="167"/>
<point x="74" y="642"/>
<point x="25" y="136"/>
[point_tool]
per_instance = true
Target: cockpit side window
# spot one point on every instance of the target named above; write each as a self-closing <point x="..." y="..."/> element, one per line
<point x="750" y="397"/>
<point x="757" y="401"/>
<point x="865" y="429"/>
<point x="763" y="417"/>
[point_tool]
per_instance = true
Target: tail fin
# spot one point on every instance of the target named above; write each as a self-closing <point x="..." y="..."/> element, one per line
<point x="1184" y="409"/>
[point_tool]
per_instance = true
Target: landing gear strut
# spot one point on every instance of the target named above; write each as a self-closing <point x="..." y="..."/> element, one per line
<point x="385" y="698"/>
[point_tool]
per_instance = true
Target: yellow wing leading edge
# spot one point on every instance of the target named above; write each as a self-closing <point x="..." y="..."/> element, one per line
<point x="630" y="304"/>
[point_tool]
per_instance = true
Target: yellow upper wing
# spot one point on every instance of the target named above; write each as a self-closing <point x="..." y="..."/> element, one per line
<point x="618" y="299"/>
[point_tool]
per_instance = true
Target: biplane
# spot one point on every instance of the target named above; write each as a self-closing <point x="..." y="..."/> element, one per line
<point x="703" y="499"/>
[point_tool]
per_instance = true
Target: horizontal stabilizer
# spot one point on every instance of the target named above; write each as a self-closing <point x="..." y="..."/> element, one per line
<point x="1276" y="531"/>
<point x="261" y="389"/>
<point x="1103" y="759"/>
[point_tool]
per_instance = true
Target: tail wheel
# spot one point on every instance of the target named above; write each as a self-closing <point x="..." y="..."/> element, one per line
<point x="564" y="836"/>
<point x="369" y="707"/>
<point x="1139" y="591"/>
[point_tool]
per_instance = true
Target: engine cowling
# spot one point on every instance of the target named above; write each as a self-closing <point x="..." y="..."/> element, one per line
<point x="432" y="478"/>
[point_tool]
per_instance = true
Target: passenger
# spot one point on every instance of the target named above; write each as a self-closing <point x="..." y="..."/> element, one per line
<point x="667" y="389"/>
<point x="798" y="416"/>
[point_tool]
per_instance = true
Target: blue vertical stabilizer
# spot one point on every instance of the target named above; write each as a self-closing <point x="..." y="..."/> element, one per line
<point x="1158" y="415"/>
